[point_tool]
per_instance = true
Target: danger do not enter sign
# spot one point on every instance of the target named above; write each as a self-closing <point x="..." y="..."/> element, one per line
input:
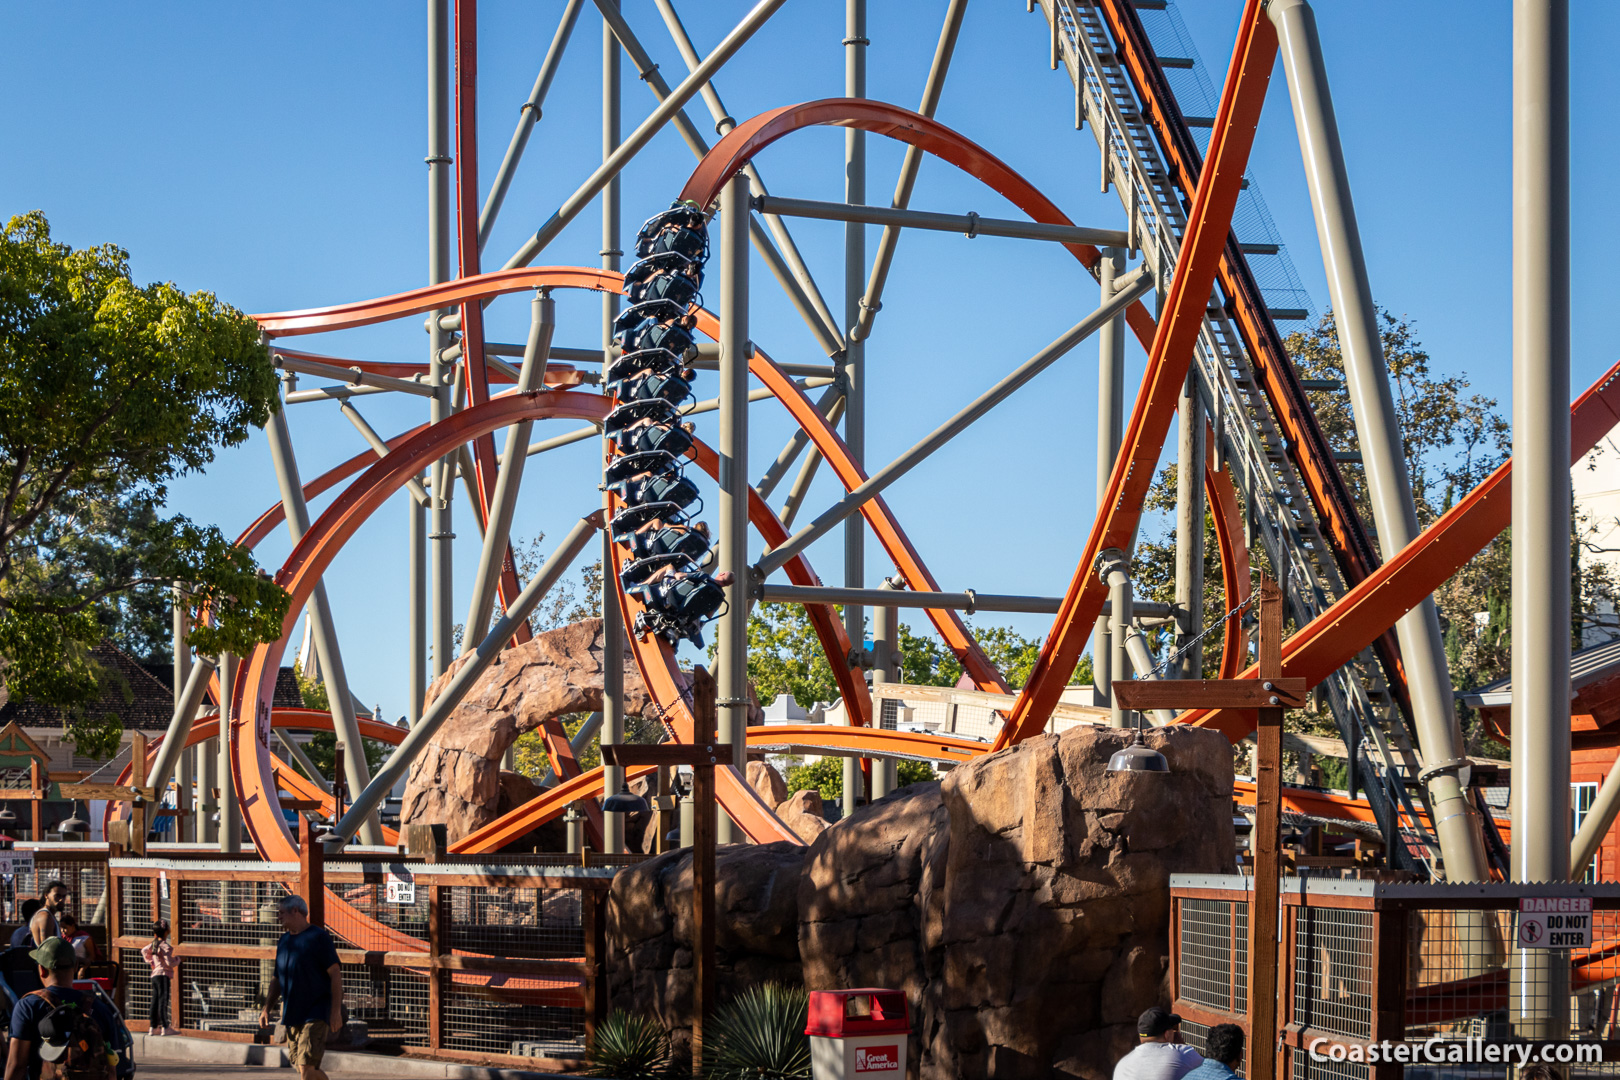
<point x="1555" y="922"/>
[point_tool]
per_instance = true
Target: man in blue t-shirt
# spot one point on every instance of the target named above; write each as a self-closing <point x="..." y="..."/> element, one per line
<point x="57" y="963"/>
<point x="309" y="982"/>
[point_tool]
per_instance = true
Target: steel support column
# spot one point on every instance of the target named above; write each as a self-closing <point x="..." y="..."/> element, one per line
<point x="612" y="726"/>
<point x="1189" y="529"/>
<point x="1110" y="428"/>
<point x="855" y="44"/>
<point x="439" y="163"/>
<point x="341" y="703"/>
<point x="230" y="811"/>
<point x="1539" y="993"/>
<point x="1378" y="430"/>
<point x="417" y="574"/>
<point x="1114" y="568"/>
<point x="885" y="649"/>
<point x="188" y="757"/>
<point x="732" y="636"/>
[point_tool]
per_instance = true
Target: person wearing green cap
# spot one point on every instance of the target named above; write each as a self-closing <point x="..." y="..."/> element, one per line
<point x="57" y="963"/>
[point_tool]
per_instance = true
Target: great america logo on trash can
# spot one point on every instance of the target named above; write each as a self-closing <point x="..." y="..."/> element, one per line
<point x="876" y="1059"/>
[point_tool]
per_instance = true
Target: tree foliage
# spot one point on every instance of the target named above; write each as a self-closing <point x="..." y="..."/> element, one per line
<point x="827" y="776"/>
<point x="785" y="656"/>
<point x="108" y="392"/>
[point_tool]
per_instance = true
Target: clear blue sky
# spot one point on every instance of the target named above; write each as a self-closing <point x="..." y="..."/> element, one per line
<point x="273" y="154"/>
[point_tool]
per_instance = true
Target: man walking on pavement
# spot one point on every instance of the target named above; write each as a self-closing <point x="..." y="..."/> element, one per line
<point x="309" y="983"/>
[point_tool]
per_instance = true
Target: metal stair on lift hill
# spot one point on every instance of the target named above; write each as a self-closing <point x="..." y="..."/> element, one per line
<point x="1276" y="503"/>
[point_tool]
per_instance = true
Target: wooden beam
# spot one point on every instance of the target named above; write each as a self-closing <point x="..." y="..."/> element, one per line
<point x="630" y="755"/>
<point x="1264" y="842"/>
<point x="110" y="792"/>
<point x="703" y="881"/>
<point x="1204" y="693"/>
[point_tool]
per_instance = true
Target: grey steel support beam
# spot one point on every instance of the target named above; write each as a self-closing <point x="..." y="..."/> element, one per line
<point x="707" y="405"/>
<point x="732" y="637"/>
<point x="971" y="225"/>
<point x="1539" y="987"/>
<point x="188" y="700"/>
<point x="1133" y="287"/>
<point x="230" y="811"/>
<point x="643" y="134"/>
<point x="790" y="453"/>
<point x="301" y="759"/>
<point x="467" y="675"/>
<point x="416" y="569"/>
<point x="885" y="669"/>
<point x="872" y="300"/>
<point x="319" y="611"/>
<point x="855" y="45"/>
<point x="1378" y="433"/>
<point x="442" y="530"/>
<point x="803" y="290"/>
<point x="612" y="727"/>
<point x="508" y="481"/>
<point x="181" y="628"/>
<point x="380" y="445"/>
<point x="207" y="781"/>
<point x="528" y="116"/>
<point x="354" y="376"/>
<point x="1110" y="430"/>
<point x="1114" y="569"/>
<point x="968" y="600"/>
<point x="1190" y="528"/>
<point x="807" y="472"/>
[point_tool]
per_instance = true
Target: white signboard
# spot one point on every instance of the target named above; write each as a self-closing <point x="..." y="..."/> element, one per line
<point x="163" y="884"/>
<point x="16" y="862"/>
<point x="1555" y="922"/>
<point x="401" y="888"/>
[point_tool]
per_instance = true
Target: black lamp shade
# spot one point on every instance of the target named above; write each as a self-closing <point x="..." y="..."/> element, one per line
<point x="624" y="802"/>
<point x="1138" y="757"/>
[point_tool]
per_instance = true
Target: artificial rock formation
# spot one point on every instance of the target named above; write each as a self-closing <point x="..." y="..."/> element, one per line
<point x="1054" y="929"/>
<point x="1022" y="903"/>
<point x="649" y="929"/>
<point x="456" y="780"/>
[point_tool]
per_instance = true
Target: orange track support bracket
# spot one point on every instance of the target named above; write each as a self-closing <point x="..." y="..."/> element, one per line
<point x="1209" y="223"/>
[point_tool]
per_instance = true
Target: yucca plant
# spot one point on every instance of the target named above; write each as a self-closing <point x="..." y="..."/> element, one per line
<point x="628" y="1046"/>
<point x="760" y="1036"/>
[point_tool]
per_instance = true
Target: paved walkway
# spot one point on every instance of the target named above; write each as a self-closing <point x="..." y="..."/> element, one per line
<point x="178" y="1058"/>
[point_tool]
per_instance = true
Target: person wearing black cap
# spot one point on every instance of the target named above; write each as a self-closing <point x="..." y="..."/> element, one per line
<point x="1160" y="1055"/>
<point x="54" y="1024"/>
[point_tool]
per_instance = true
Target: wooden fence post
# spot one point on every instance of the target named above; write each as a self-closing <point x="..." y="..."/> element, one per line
<point x="435" y="950"/>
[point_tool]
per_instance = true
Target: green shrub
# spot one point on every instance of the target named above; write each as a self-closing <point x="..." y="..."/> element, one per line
<point x="629" y="1047"/>
<point x="760" y="1036"/>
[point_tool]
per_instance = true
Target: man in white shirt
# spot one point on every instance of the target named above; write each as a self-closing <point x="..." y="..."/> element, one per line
<point x="1162" y="1055"/>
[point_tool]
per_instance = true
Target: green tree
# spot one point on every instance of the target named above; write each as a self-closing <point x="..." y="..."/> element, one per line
<point x="109" y="391"/>
<point x="785" y="656"/>
<point x="827" y="776"/>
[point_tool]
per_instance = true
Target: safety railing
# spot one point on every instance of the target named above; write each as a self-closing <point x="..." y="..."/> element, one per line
<point x="1366" y="963"/>
<point x="485" y="963"/>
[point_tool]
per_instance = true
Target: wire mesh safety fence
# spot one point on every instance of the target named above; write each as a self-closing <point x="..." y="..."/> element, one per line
<point x="529" y="1017"/>
<point x="1333" y="970"/>
<point x="538" y="923"/>
<point x="223" y="994"/>
<point x="464" y="962"/>
<point x="230" y="912"/>
<point x="1372" y="963"/>
<point x="1212" y="967"/>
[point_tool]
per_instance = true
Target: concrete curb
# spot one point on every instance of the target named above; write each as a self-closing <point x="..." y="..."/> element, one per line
<point x="180" y="1049"/>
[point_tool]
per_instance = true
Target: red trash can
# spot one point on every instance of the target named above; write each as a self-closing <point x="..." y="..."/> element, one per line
<point x="858" y="1034"/>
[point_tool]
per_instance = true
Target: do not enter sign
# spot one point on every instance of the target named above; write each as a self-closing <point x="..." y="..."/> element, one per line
<point x="1555" y="922"/>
